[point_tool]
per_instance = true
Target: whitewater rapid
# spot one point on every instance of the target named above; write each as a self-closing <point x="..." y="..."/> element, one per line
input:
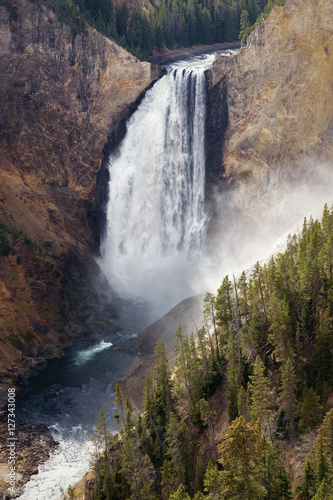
<point x="67" y="396"/>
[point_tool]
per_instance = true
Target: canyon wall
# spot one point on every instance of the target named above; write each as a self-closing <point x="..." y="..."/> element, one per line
<point x="63" y="100"/>
<point x="279" y="96"/>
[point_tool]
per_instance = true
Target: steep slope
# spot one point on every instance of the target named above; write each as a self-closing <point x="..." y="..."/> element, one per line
<point x="187" y="314"/>
<point x="63" y="98"/>
<point x="278" y="102"/>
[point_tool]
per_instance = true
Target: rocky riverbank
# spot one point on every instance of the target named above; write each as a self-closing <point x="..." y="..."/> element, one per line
<point x="33" y="447"/>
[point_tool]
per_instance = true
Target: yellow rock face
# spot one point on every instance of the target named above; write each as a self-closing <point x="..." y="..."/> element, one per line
<point x="280" y="99"/>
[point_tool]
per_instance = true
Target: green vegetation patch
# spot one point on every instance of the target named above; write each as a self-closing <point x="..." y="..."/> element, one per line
<point x="4" y="3"/>
<point x="245" y="23"/>
<point x="44" y="311"/>
<point x="15" y="341"/>
<point x="13" y="12"/>
<point x="10" y="237"/>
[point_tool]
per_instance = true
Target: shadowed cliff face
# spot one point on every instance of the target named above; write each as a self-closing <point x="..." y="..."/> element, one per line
<point x="62" y="96"/>
<point x="62" y="100"/>
<point x="279" y="97"/>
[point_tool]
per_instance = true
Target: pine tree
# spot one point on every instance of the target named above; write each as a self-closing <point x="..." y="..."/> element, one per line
<point x="268" y="8"/>
<point x="326" y="437"/>
<point x="242" y="287"/>
<point x="102" y="432"/>
<point x="326" y="252"/>
<point x="309" y="410"/>
<point x="204" y="354"/>
<point x="212" y="481"/>
<point x="325" y="490"/>
<point x="288" y="394"/>
<point x="210" y="317"/>
<point x="199" y="496"/>
<point x="318" y="470"/>
<point x="322" y="463"/>
<point x="242" y="458"/>
<point x="280" y="329"/>
<point x="199" y="476"/>
<point x="178" y="449"/>
<point x="245" y="25"/>
<point x="130" y="469"/>
<point x="180" y="494"/>
<point x="258" y="291"/>
<point x="167" y="480"/>
<point x="323" y="352"/>
<point x="206" y="417"/>
<point x="162" y="375"/>
<point x="260" y="395"/>
<point x="224" y="307"/>
<point x="276" y="479"/>
<point x="310" y="478"/>
<point x="234" y="380"/>
<point x="189" y="373"/>
<point x="120" y="405"/>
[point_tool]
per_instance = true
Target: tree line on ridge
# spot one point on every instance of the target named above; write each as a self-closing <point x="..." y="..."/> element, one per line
<point x="169" y="23"/>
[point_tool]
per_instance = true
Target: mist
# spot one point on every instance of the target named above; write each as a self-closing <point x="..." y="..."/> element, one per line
<point x="237" y="237"/>
<point x="247" y="230"/>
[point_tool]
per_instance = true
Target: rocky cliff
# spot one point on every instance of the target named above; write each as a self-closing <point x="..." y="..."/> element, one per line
<point x="278" y="116"/>
<point x="63" y="98"/>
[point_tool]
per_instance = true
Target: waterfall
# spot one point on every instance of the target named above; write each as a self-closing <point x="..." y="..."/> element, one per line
<point x="156" y="218"/>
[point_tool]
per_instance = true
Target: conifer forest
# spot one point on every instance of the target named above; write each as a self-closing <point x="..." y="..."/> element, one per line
<point x="267" y="343"/>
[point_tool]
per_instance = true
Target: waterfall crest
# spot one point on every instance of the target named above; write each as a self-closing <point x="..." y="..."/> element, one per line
<point x="156" y="218"/>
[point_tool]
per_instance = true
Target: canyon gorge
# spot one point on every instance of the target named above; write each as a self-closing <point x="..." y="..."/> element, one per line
<point x="65" y="100"/>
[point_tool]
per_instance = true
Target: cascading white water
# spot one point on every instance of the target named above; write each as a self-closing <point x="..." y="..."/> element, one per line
<point x="156" y="218"/>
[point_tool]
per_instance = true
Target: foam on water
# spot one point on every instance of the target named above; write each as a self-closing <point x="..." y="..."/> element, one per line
<point x="65" y="467"/>
<point x="87" y="354"/>
<point x="68" y="397"/>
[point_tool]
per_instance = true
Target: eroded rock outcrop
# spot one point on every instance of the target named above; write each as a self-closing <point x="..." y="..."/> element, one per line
<point x="62" y="96"/>
<point x="62" y="100"/>
<point x="279" y="93"/>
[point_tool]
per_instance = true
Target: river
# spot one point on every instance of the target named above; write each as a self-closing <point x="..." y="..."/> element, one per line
<point x="68" y="395"/>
